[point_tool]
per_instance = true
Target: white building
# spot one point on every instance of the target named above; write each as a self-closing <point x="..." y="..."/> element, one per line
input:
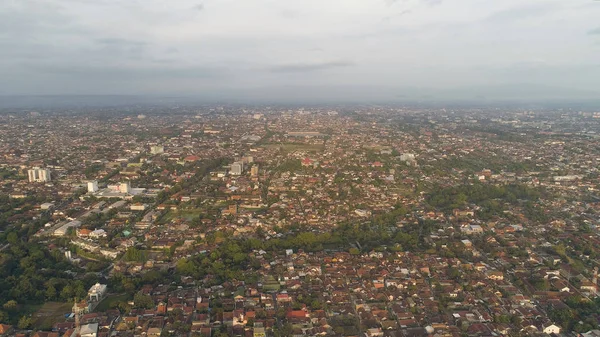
<point x="37" y="174"/>
<point x="138" y="207"/>
<point x="407" y="157"/>
<point x="97" y="292"/>
<point x="92" y="186"/>
<point x="62" y="230"/>
<point x="157" y="149"/>
<point x="46" y="206"/>
<point x="97" y="233"/>
<point x="237" y="168"/>
<point x="551" y="329"/>
<point x="125" y="187"/>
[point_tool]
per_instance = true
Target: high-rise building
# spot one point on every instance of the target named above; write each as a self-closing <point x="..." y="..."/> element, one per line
<point x="407" y="157"/>
<point x="37" y="174"/>
<point x="92" y="186"/>
<point x="125" y="187"/>
<point x="254" y="171"/>
<point x="157" y="149"/>
<point x="237" y="168"/>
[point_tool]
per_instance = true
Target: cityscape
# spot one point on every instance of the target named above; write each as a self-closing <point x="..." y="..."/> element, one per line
<point x="299" y="168"/>
<point x="299" y="221"/>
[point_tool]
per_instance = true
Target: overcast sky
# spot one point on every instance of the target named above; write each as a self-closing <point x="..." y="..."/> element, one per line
<point x="190" y="47"/>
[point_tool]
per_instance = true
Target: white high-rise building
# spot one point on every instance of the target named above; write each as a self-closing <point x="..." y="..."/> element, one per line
<point x="37" y="174"/>
<point x="407" y="157"/>
<point x="125" y="187"/>
<point x="92" y="186"/>
<point x="157" y="149"/>
<point x="237" y="168"/>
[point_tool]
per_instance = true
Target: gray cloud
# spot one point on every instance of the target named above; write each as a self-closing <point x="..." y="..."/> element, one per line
<point x="391" y="2"/>
<point x="309" y="67"/>
<point x="594" y="31"/>
<point x="102" y="72"/>
<point x="522" y="12"/>
<point x="119" y="42"/>
<point x="433" y="2"/>
<point x="64" y="46"/>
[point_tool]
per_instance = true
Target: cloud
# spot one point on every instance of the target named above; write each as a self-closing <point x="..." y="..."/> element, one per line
<point x="309" y="67"/>
<point x="594" y="31"/>
<point x="369" y="42"/>
<point x="119" y="42"/>
<point x="432" y="2"/>
<point x="518" y="13"/>
<point x="104" y="72"/>
<point x="391" y="2"/>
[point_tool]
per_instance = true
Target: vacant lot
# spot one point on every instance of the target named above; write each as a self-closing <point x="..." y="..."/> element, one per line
<point x="111" y="301"/>
<point x="50" y="313"/>
<point x="186" y="214"/>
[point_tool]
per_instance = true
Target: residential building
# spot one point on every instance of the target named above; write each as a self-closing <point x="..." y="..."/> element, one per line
<point x="92" y="186"/>
<point x="237" y="168"/>
<point x="38" y="175"/>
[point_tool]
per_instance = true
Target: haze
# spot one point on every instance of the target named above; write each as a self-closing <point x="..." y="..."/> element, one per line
<point x="363" y="49"/>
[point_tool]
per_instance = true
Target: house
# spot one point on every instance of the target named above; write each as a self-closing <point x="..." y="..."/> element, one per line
<point x="307" y="162"/>
<point x="89" y="330"/>
<point x="191" y="158"/>
<point x="283" y="298"/>
<point x="374" y="332"/>
<point x="154" y="332"/>
<point x="551" y="329"/>
<point x="5" y="329"/>
<point x="259" y="330"/>
<point x="84" y="232"/>
<point x="46" y="206"/>
<point x="97" y="233"/>
<point x="588" y="286"/>
<point x="45" y="334"/>
<point x="82" y="307"/>
<point x="495" y="275"/>
<point x="138" y="207"/>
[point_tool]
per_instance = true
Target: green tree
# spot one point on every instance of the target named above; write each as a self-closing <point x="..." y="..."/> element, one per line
<point x="66" y="294"/>
<point x="143" y="301"/>
<point x="12" y="238"/>
<point x="10" y="305"/>
<point x="50" y="293"/>
<point x="25" y="322"/>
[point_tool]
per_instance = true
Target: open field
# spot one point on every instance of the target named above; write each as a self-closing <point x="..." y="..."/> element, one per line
<point x="111" y="300"/>
<point x="50" y="313"/>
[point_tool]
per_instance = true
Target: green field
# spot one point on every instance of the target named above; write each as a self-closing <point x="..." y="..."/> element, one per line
<point x="270" y="284"/>
<point x="50" y="313"/>
<point x="290" y="147"/>
<point x="111" y="301"/>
